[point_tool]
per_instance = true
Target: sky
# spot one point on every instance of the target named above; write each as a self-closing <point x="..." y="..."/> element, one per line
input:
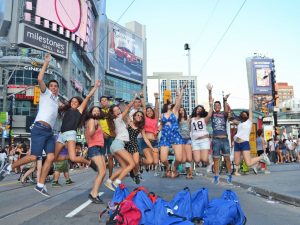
<point x="269" y="27"/>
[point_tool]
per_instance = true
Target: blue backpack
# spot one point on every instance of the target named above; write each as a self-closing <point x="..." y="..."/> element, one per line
<point x="181" y="204"/>
<point x="224" y="211"/>
<point x="146" y="206"/>
<point x="120" y="194"/>
<point x="199" y="203"/>
<point x="163" y="215"/>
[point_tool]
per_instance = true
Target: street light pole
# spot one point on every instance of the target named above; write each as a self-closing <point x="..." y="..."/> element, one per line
<point x="187" y="47"/>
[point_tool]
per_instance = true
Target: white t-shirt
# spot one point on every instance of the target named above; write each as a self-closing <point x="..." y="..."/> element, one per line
<point x="198" y="128"/>
<point x="48" y="108"/>
<point x="121" y="129"/>
<point x="244" y="130"/>
<point x="271" y="146"/>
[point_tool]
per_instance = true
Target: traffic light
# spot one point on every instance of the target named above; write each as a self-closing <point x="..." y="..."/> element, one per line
<point x="167" y="96"/>
<point x="264" y="109"/>
<point x="36" y="96"/>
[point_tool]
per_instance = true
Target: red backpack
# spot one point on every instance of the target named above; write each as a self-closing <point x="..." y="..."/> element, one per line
<point x="126" y="213"/>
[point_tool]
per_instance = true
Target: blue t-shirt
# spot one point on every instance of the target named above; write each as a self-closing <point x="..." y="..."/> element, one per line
<point x="218" y="121"/>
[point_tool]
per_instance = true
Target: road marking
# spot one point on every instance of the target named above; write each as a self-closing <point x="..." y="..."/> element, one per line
<point x="9" y="183"/>
<point x="81" y="207"/>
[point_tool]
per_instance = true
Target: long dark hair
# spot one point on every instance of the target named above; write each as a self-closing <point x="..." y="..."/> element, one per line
<point x="184" y="115"/>
<point x="202" y="114"/>
<point x="153" y="116"/>
<point x="140" y="125"/>
<point x="67" y="106"/>
<point x="89" y="114"/>
<point x="165" y="106"/>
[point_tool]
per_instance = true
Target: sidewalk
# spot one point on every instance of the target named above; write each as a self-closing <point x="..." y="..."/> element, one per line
<point x="282" y="184"/>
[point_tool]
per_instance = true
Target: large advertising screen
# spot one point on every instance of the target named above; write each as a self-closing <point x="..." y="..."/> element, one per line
<point x="72" y="15"/>
<point x="261" y="76"/>
<point x="125" y="53"/>
<point x="261" y="101"/>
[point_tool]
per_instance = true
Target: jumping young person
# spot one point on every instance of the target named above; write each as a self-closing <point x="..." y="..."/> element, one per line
<point x="241" y="140"/>
<point x="42" y="137"/>
<point x="118" y="146"/>
<point x="72" y="118"/>
<point x="185" y="130"/>
<point x="151" y="155"/>
<point x="96" y="152"/>
<point x="170" y="136"/>
<point x="199" y="132"/>
<point x="220" y="142"/>
<point x="106" y="123"/>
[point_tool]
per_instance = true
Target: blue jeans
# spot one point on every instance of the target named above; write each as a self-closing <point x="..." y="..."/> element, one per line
<point x="42" y="138"/>
<point x="220" y="145"/>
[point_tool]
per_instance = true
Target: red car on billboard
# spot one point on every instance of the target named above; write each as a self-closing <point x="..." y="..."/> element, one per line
<point x="126" y="56"/>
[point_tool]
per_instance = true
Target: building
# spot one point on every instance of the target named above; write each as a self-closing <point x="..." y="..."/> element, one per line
<point x="125" y="73"/>
<point x="30" y="28"/>
<point x="173" y="81"/>
<point x="284" y="91"/>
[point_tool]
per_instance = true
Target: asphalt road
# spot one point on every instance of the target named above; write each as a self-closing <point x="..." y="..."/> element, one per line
<point x="22" y="205"/>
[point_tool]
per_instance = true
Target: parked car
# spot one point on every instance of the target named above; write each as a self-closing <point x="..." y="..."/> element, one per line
<point x="126" y="56"/>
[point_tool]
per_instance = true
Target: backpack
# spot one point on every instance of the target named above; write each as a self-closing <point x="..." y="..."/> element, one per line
<point x="199" y="203"/>
<point x="181" y="204"/>
<point x="120" y="194"/>
<point x="126" y="213"/>
<point x="163" y="215"/>
<point x="144" y="202"/>
<point x="224" y="211"/>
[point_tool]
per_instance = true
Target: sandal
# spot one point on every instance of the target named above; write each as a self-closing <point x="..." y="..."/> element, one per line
<point x="174" y="174"/>
<point x="189" y="176"/>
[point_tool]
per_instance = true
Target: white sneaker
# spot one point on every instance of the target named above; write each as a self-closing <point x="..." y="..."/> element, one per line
<point x="267" y="172"/>
<point x="110" y="185"/>
<point x="265" y="159"/>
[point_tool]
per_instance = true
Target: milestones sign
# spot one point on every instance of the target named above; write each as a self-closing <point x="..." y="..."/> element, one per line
<point x="44" y="41"/>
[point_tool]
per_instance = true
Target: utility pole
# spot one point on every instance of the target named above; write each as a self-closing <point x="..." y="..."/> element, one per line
<point x="274" y="92"/>
<point x="4" y="94"/>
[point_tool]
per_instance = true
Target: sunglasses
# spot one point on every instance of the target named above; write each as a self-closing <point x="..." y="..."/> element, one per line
<point x="140" y="115"/>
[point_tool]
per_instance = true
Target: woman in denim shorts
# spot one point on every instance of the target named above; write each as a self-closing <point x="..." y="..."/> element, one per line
<point x="117" y="147"/>
<point x="241" y="141"/>
<point x="95" y="140"/>
<point x="72" y="119"/>
<point x="151" y="153"/>
<point x="185" y="130"/>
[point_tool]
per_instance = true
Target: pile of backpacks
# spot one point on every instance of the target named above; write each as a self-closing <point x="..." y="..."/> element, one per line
<point x="141" y="207"/>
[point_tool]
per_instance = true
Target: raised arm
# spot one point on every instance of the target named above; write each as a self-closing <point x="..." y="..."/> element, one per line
<point x="128" y="107"/>
<point x="226" y="106"/>
<point x="209" y="88"/>
<point x="42" y="73"/>
<point x="250" y="108"/>
<point x="143" y="102"/>
<point x="210" y="112"/>
<point x="156" y="95"/>
<point x="83" y="105"/>
<point x="179" y="95"/>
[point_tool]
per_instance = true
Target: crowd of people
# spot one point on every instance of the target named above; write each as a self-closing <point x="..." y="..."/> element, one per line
<point x="135" y="135"/>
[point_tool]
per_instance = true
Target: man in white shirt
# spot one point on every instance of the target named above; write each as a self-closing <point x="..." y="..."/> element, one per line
<point x="42" y="137"/>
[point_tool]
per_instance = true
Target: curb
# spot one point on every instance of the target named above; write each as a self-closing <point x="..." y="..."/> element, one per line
<point x="292" y="200"/>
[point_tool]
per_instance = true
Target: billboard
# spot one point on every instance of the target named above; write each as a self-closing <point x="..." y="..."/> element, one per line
<point x="261" y="101"/>
<point x="42" y="40"/>
<point x="125" y="53"/>
<point x="72" y="15"/>
<point x="261" y="75"/>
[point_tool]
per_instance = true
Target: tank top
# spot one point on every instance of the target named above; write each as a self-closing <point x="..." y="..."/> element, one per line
<point x="151" y="125"/>
<point x="71" y="120"/>
<point x="184" y="129"/>
<point x="198" y="128"/>
<point x="95" y="140"/>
